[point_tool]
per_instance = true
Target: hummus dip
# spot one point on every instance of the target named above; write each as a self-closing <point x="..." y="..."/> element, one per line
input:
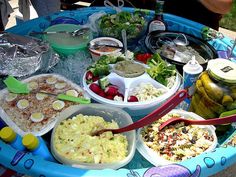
<point x="128" y="68"/>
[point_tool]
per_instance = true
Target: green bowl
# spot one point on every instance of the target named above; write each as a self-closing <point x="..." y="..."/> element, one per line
<point x="66" y="44"/>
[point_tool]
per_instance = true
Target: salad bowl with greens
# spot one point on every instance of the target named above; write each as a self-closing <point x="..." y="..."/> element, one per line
<point x="112" y="24"/>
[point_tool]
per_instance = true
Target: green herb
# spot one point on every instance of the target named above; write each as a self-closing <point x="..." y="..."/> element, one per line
<point x="159" y="69"/>
<point x="101" y="67"/>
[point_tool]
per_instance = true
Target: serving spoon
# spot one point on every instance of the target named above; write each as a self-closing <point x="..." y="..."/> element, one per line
<point x="153" y="116"/>
<point x="215" y="121"/>
<point x="96" y="46"/>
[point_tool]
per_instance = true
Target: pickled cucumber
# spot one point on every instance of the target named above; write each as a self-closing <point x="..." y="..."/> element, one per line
<point x="233" y="92"/>
<point x="228" y="113"/>
<point x="232" y="106"/>
<point x="207" y="101"/>
<point x="200" y="108"/>
<point x="227" y="100"/>
<point x="212" y="90"/>
<point x="225" y="127"/>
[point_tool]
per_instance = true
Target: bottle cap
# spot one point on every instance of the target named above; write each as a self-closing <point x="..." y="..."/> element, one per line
<point x="222" y="70"/>
<point x="7" y="134"/>
<point x="30" y="141"/>
<point x="193" y="67"/>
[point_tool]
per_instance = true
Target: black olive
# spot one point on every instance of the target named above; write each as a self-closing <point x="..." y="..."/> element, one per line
<point x="184" y="130"/>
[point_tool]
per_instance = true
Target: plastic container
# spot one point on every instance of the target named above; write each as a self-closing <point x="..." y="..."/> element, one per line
<point x="150" y="155"/>
<point x="109" y="114"/>
<point x="9" y="136"/>
<point x="37" y="146"/>
<point x="20" y="111"/>
<point x="66" y="44"/>
<point x="191" y="71"/>
<point x="215" y="93"/>
<point x="96" y="53"/>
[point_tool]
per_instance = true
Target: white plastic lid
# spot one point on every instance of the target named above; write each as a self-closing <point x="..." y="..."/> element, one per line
<point x="193" y="67"/>
<point x="223" y="70"/>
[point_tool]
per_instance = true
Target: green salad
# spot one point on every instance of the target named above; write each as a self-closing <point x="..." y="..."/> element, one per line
<point x="112" y="24"/>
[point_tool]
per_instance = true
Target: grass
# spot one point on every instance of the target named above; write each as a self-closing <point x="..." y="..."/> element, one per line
<point x="229" y="19"/>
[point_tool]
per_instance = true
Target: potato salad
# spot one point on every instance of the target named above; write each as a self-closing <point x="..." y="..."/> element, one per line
<point x="73" y="140"/>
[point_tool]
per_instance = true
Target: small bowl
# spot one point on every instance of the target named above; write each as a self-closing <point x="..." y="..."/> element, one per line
<point x="108" y="113"/>
<point x="67" y="44"/>
<point x="97" y="53"/>
<point x="158" y="160"/>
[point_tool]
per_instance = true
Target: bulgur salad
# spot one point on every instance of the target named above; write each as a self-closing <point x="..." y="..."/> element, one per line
<point x="176" y="142"/>
<point x="72" y="140"/>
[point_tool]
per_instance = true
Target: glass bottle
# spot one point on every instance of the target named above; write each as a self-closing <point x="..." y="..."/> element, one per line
<point x="158" y="24"/>
<point x="215" y="92"/>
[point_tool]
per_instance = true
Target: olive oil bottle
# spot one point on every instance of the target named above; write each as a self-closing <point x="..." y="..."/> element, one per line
<point x="158" y="24"/>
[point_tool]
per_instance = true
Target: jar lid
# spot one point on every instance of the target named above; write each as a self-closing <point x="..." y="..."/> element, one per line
<point x="223" y="70"/>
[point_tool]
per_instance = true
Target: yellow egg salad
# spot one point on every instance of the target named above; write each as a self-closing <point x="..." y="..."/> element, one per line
<point x="73" y="140"/>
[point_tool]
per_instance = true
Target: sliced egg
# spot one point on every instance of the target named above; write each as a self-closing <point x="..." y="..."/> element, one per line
<point x="72" y="93"/>
<point x="10" y="97"/>
<point x="32" y="85"/>
<point x="51" y="80"/>
<point x="22" y="104"/>
<point x="60" y="85"/>
<point x="37" y="117"/>
<point x="58" y="105"/>
<point x="41" y="96"/>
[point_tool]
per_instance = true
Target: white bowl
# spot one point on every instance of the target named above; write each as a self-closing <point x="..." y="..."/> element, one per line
<point x="96" y="54"/>
<point x="125" y="85"/>
<point x="157" y="160"/>
<point x="109" y="114"/>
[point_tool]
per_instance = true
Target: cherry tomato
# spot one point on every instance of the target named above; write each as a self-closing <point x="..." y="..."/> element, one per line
<point x="143" y="57"/>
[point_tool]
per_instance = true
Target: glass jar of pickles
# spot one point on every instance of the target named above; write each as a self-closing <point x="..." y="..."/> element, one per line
<point x="215" y="91"/>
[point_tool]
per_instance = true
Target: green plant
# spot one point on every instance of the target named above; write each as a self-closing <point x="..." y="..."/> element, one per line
<point x="229" y="19"/>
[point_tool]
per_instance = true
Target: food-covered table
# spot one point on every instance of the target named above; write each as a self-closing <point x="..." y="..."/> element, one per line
<point x="73" y="68"/>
